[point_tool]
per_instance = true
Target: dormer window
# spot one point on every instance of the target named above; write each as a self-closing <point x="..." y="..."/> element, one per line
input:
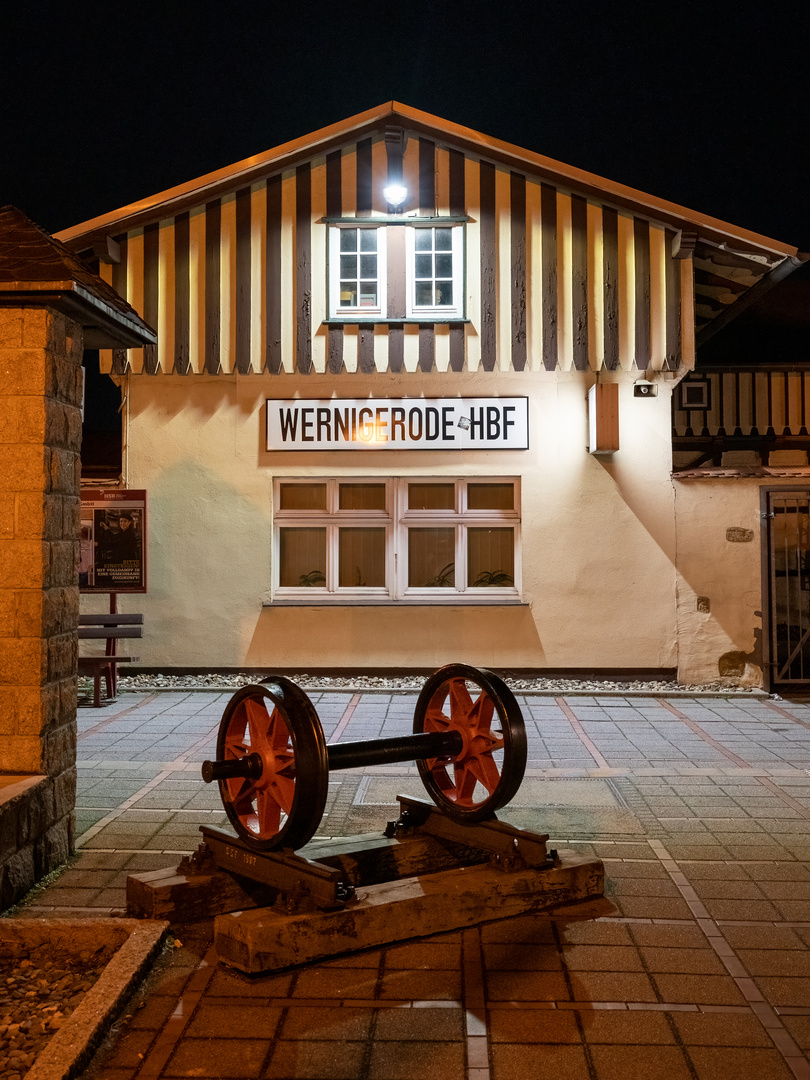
<point x="425" y="267"/>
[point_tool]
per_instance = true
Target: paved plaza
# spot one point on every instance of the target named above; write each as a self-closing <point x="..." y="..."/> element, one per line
<point x="696" y="965"/>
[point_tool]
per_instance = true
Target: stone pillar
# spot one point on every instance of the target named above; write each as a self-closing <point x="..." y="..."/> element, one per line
<point x="40" y="442"/>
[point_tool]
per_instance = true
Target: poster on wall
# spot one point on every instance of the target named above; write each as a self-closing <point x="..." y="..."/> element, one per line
<point x="113" y="541"/>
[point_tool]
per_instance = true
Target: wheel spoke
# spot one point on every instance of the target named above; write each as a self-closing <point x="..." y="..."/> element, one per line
<point x="269" y="813"/>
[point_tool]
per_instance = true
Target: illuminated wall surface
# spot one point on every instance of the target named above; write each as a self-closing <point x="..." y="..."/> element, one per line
<point x="539" y="279"/>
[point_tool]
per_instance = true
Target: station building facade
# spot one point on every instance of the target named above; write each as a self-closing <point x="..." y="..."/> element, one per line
<point x="389" y="429"/>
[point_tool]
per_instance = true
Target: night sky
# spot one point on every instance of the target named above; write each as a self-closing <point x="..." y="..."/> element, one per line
<point x="705" y="104"/>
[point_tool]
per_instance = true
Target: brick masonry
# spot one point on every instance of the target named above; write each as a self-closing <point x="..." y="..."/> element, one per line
<point x="40" y="442"/>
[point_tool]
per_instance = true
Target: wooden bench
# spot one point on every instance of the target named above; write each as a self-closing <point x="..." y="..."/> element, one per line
<point x="111" y="628"/>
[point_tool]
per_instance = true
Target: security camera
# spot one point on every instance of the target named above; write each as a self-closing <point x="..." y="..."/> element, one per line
<point x="644" y="388"/>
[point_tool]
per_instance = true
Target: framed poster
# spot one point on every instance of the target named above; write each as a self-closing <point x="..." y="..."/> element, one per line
<point x="113" y="541"/>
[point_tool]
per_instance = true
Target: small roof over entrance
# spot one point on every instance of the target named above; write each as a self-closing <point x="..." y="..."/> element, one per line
<point x="38" y="271"/>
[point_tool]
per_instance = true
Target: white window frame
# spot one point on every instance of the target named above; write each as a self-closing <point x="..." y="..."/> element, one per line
<point x="434" y="311"/>
<point x="336" y="308"/>
<point x="396" y="519"/>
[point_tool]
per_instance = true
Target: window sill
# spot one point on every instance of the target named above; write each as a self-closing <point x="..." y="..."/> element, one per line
<point x="342" y="601"/>
<point x="354" y="320"/>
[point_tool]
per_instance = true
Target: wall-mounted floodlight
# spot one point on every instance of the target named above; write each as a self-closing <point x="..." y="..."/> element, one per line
<point x="395" y="194"/>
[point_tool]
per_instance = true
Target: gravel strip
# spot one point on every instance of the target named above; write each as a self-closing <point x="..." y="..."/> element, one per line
<point x="39" y="989"/>
<point x="231" y="681"/>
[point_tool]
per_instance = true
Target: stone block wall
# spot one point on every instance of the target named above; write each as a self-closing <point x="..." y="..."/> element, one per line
<point x="40" y="442"/>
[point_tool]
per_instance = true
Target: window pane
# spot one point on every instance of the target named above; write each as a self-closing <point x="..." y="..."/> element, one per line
<point x="361" y="561"/>
<point x="348" y="293"/>
<point x="302" y="557"/>
<point x="444" y="293"/>
<point x="431" y="496"/>
<point x="444" y="266"/>
<point x="362" y="497"/>
<point x="431" y="558"/>
<point x="303" y="497"/>
<point x="490" y="558"/>
<point x="444" y="239"/>
<point x="424" y="294"/>
<point x="348" y="266"/>
<point x="368" y="239"/>
<point x="423" y="240"/>
<point x="490" y="497"/>
<point x="348" y="239"/>
<point x="423" y="266"/>
<point x="368" y="267"/>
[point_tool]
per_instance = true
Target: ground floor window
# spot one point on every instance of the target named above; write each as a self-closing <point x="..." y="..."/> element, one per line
<point x="432" y="540"/>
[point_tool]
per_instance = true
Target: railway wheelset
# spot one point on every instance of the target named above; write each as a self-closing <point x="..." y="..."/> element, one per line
<point x="273" y="761"/>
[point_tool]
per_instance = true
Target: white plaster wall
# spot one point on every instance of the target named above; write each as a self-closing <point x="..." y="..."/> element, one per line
<point x="727" y="574"/>
<point x="598" y="543"/>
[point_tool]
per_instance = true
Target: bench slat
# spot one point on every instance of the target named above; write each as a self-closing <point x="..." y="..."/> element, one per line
<point x="110" y="620"/>
<point x="110" y="632"/>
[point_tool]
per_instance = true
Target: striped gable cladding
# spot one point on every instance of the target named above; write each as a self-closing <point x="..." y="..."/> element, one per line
<point x="233" y="273"/>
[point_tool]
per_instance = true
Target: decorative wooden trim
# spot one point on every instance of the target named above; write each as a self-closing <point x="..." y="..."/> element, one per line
<point x="458" y="205"/>
<point x="487" y="233"/>
<point x="334" y="350"/>
<point x="457" y="340"/>
<point x="182" y="295"/>
<point x="427" y="347"/>
<point x="396" y="348"/>
<point x="517" y="201"/>
<point x="241" y="363"/>
<point x="396" y="284"/>
<point x="579" y="281"/>
<point x="334" y="190"/>
<point x="427" y="176"/>
<point x="151" y="298"/>
<point x="548" y="217"/>
<point x="303" y="269"/>
<point x="673" y="290"/>
<point x="120" y="360"/>
<point x="365" y="350"/>
<point x="641" y="247"/>
<point x="213" y="217"/>
<point x="610" y="256"/>
<point x="399" y="219"/>
<point x="273" y="362"/>
<point x="364" y="178"/>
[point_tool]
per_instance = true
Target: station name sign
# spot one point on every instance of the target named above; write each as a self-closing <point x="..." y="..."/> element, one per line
<point x="398" y="424"/>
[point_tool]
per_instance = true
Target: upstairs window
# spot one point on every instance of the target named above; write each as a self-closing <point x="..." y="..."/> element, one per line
<point x="425" y="264"/>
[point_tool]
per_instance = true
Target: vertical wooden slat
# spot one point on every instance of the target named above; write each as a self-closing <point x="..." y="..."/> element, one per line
<point x="273" y="286"/>
<point x="303" y="269"/>
<point x="456" y="347"/>
<point x="595" y="289"/>
<point x="517" y="198"/>
<point x="227" y="284"/>
<point x="396" y="278"/>
<point x="396" y="348"/>
<point x="610" y="264"/>
<point x="641" y="235"/>
<point x="579" y="280"/>
<point x="258" y="262"/>
<point x="119" y="283"/>
<point x="167" y="267"/>
<point x="426" y="347"/>
<point x="427" y="176"/>
<point x="181" y="295"/>
<point x="803" y="428"/>
<point x="151" y="253"/>
<point x="627" y="294"/>
<point x="534" y="282"/>
<point x="364" y="178"/>
<point x="241" y="362"/>
<point x="456" y="168"/>
<point x="673" y="287"/>
<point x="488" y="256"/>
<point x="548" y="211"/>
<point x="565" y="312"/>
<point x="213" y="216"/>
<point x="365" y="349"/>
<point x="334" y="208"/>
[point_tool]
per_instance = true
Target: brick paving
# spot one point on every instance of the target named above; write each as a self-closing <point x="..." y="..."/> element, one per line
<point x="697" y="965"/>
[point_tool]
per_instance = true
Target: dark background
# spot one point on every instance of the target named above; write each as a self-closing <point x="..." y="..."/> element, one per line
<point x="705" y="104"/>
<point x="702" y="103"/>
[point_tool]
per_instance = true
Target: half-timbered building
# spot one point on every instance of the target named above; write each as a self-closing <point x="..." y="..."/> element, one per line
<point x="411" y="402"/>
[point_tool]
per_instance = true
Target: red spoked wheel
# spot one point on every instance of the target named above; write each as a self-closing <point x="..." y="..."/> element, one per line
<point x="488" y="770"/>
<point x="280" y="802"/>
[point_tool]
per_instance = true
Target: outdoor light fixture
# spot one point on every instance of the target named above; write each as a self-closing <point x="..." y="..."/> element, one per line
<point x="395" y="194"/>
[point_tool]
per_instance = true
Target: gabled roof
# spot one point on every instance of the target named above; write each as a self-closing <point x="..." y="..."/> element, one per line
<point x="37" y="269"/>
<point x="250" y="170"/>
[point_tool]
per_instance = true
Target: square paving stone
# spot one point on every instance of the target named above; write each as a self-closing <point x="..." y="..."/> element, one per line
<point x="626" y="1028"/>
<point x="430" y="954"/>
<point x="424" y="1025"/>
<point x="601" y="958"/>
<point x="522" y="957"/>
<point x="685" y="961"/>
<point x="324" y="1060"/>
<point x="526" y="986"/>
<point x="511" y="1062"/>
<point x="422" y="985"/>
<point x="650" y="1062"/>
<point x="698" y="989"/>
<point x="235" y="1021"/>
<point x="220" y="1058"/>
<point x="336" y="983"/>
<point x="330" y="1023"/>
<point x="611" y="986"/>
<point x="533" y="1026"/>
<point x="732" y="1063"/>
<point x="720" y="1029"/>
<point x="785" y="991"/>
<point x="411" y="1061"/>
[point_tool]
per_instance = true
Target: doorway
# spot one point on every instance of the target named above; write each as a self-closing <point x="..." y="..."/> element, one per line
<point x="786" y="572"/>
